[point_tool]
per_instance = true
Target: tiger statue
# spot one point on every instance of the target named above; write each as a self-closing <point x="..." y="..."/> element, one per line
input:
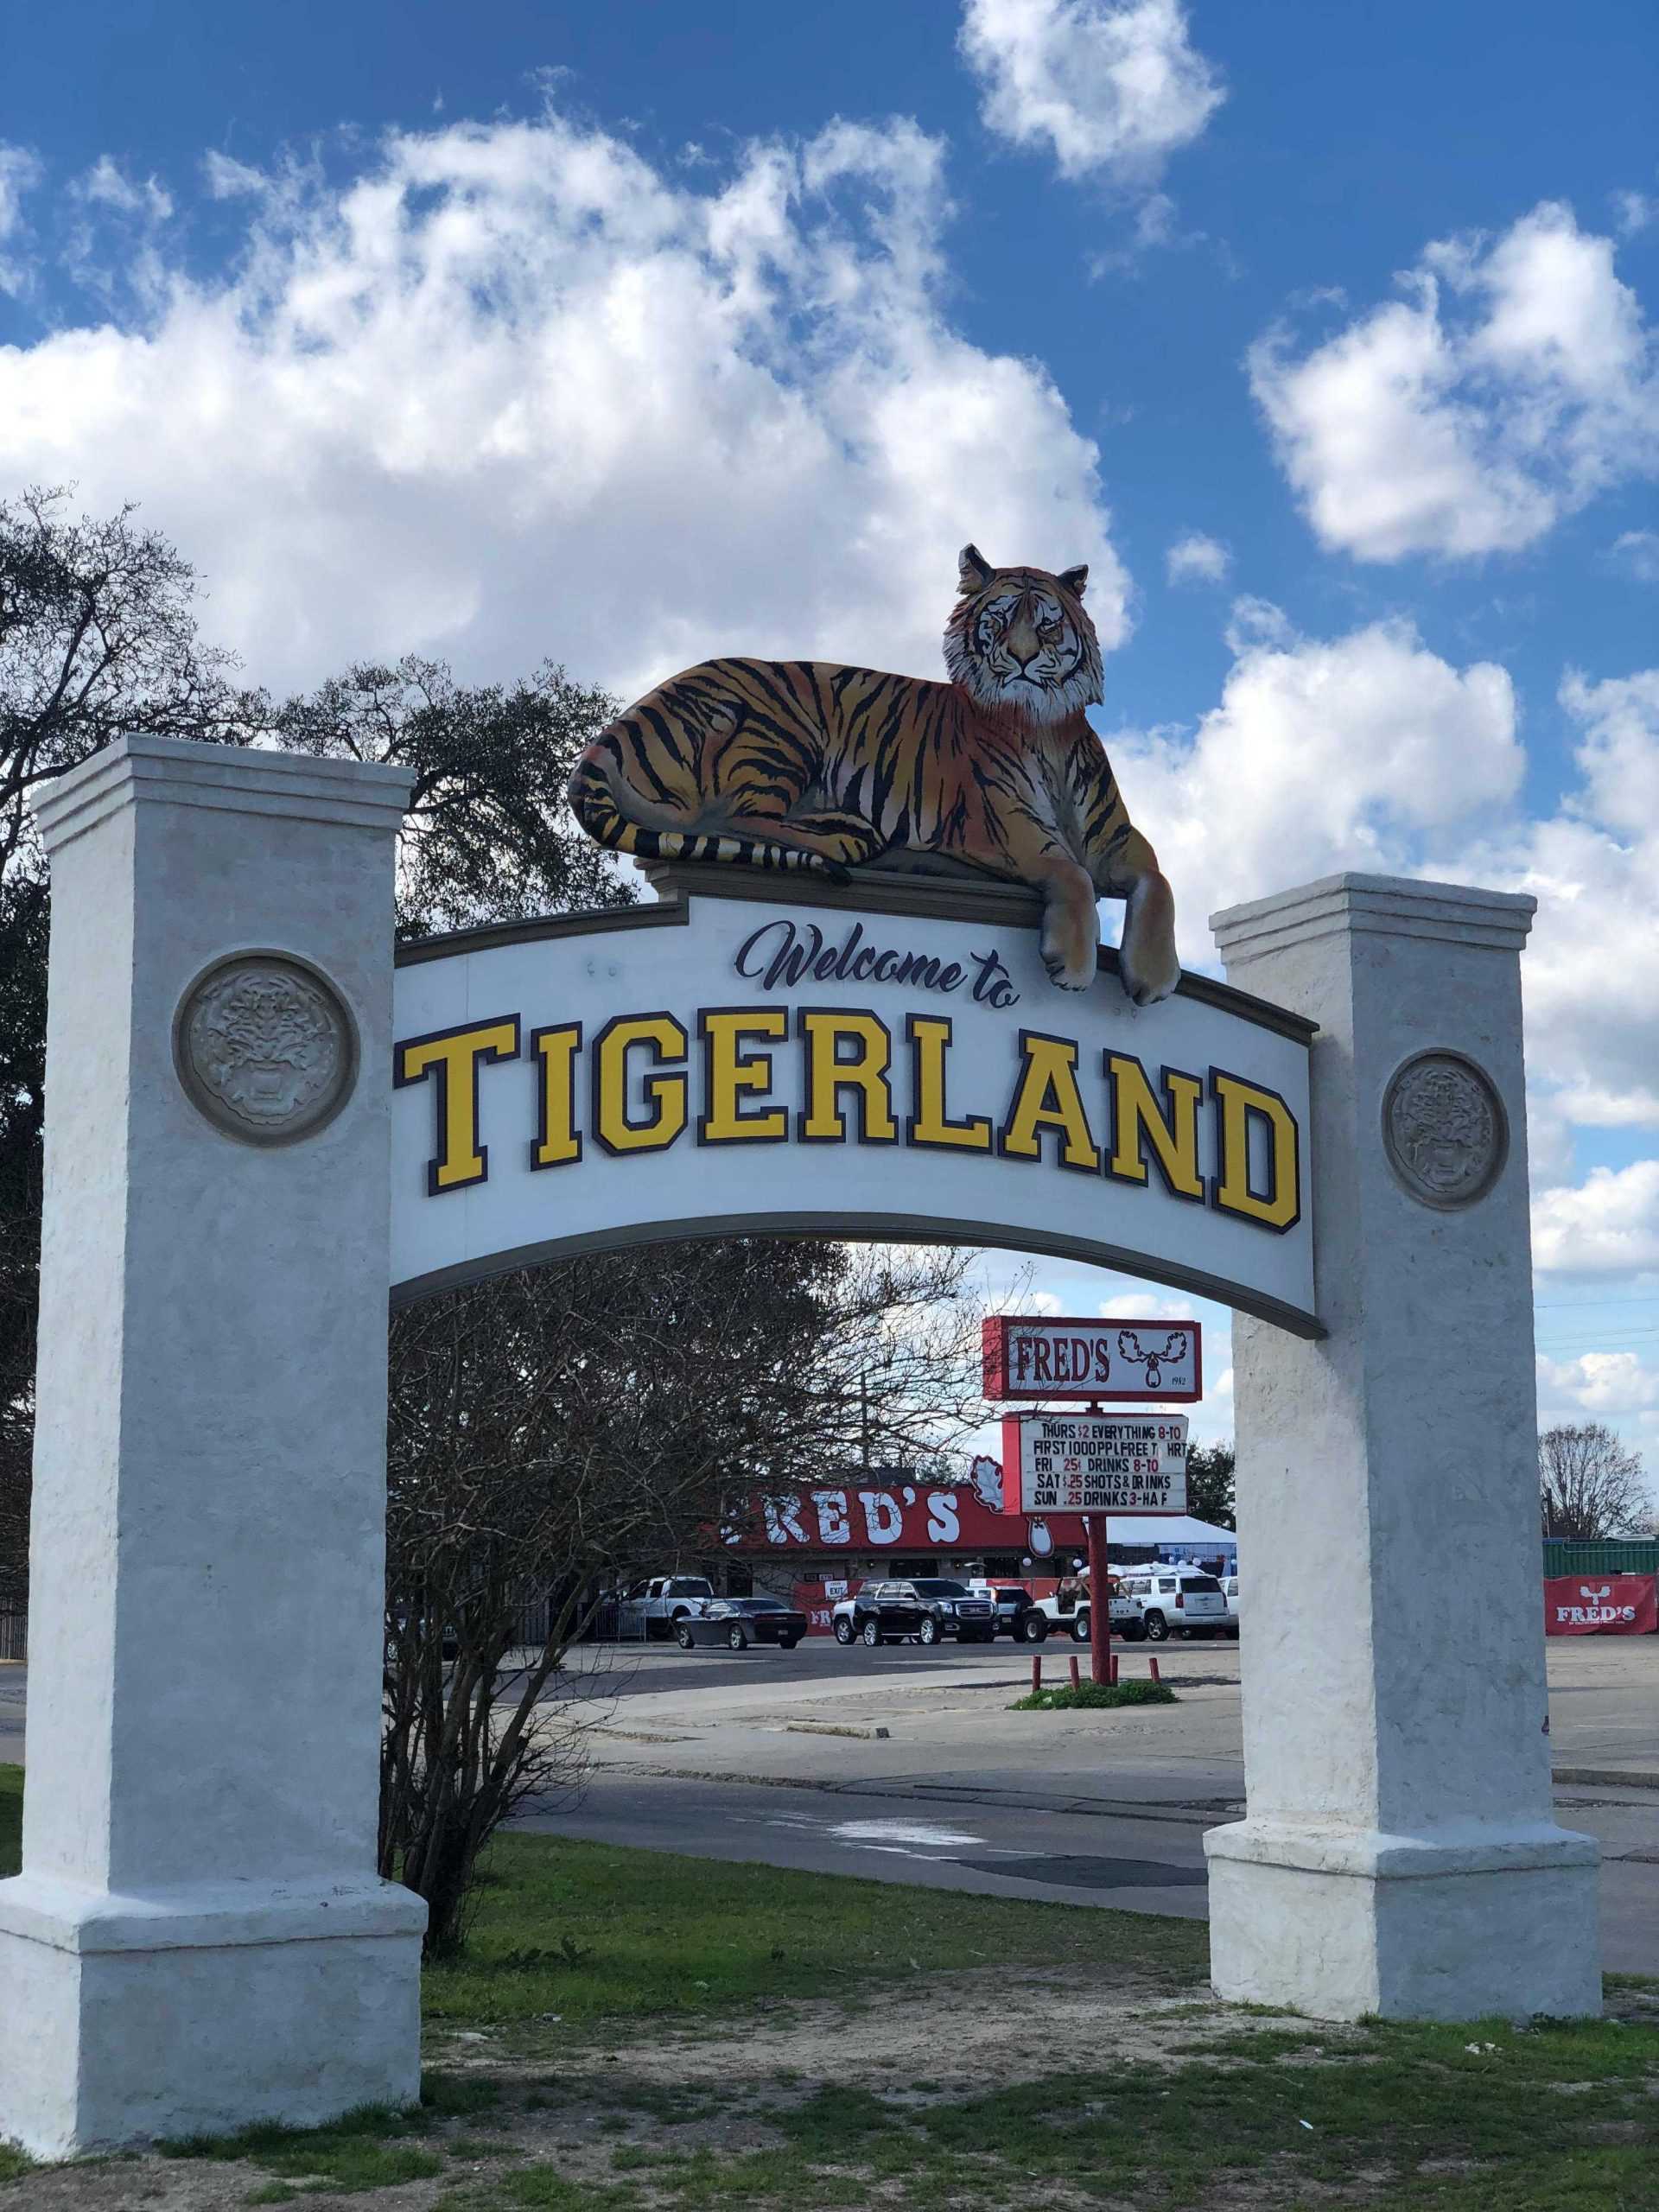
<point x="795" y="764"/>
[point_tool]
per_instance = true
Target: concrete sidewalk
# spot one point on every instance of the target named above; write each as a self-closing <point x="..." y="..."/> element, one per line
<point x="955" y="1723"/>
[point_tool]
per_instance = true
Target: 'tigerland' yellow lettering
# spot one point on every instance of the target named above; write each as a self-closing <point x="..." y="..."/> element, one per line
<point x="930" y="1039"/>
<point x="1238" y="1104"/>
<point x="728" y="1072"/>
<point x="867" y="1071"/>
<point x="452" y="1058"/>
<point x="666" y="1040"/>
<point x="1138" y="1120"/>
<point x="1048" y="1098"/>
<point x="556" y="1049"/>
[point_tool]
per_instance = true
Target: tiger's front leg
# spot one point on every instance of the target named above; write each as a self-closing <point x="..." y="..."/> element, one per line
<point x="1070" y="938"/>
<point x="1147" y="960"/>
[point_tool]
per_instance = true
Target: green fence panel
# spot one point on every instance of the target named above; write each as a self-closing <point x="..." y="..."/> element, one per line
<point x="1617" y="1555"/>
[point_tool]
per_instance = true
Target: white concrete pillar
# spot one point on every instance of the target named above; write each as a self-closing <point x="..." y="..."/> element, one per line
<point x="197" y="1938"/>
<point x="1400" y="1853"/>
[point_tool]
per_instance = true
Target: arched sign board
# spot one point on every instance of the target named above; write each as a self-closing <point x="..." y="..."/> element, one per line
<point x="890" y="1061"/>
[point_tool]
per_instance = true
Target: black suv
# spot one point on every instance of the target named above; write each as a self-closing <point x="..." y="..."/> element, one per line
<point x="1013" y="1602"/>
<point x="928" y="1608"/>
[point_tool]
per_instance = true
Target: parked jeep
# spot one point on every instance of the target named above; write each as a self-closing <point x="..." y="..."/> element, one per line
<point x="1070" y="1608"/>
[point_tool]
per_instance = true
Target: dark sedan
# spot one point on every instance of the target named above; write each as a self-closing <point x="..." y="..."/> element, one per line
<point x="739" y="1622"/>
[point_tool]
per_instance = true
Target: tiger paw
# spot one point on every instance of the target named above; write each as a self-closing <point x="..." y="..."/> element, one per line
<point x="1147" y="985"/>
<point x="1072" y="968"/>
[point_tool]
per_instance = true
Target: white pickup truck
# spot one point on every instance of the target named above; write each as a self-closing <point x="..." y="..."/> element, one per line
<point x="652" y="1607"/>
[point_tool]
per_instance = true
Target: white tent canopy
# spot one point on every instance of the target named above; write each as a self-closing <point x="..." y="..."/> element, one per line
<point x="1167" y="1529"/>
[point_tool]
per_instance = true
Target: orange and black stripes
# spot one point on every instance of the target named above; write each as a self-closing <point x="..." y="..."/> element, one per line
<point x="808" y="765"/>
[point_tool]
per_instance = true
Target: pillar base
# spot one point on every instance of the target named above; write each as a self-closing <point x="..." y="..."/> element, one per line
<point x="201" y="2010"/>
<point x="1456" y="1924"/>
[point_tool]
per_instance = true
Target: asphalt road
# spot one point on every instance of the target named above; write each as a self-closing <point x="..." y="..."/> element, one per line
<point x="949" y="1833"/>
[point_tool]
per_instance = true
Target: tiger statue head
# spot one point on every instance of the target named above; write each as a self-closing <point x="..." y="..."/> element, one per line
<point x="1019" y="640"/>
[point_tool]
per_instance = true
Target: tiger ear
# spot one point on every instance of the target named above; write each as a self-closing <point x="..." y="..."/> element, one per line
<point x="1075" y="579"/>
<point x="973" y="569"/>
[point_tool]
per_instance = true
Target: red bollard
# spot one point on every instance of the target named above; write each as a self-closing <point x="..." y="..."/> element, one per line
<point x="1152" y="1663"/>
<point x="1036" y="1674"/>
<point x="1077" y="1679"/>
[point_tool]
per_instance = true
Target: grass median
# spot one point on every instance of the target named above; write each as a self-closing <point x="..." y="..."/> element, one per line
<point x="635" y="2031"/>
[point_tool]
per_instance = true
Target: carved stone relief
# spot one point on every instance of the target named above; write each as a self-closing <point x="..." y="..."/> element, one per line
<point x="265" y="1048"/>
<point x="1444" y="1130"/>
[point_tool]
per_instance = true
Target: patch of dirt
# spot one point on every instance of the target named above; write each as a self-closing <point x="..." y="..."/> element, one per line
<point x="1005" y="2026"/>
<point x="579" y="2099"/>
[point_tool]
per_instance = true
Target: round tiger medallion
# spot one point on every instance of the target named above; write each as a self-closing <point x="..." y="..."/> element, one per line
<point x="265" y="1048"/>
<point x="1444" y="1130"/>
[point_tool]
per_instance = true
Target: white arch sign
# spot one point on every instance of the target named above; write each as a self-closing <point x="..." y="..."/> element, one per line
<point x="891" y="1060"/>
<point x="256" y="1134"/>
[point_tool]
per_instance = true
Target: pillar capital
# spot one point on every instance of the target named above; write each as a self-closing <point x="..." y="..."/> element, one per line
<point x="140" y="770"/>
<point x="1375" y="906"/>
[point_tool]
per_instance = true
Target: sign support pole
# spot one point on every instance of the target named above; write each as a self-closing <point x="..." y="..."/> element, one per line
<point x="1100" y="1612"/>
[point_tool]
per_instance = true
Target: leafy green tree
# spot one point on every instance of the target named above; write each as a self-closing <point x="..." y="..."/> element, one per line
<point x="1210" y="1484"/>
<point x="488" y="837"/>
<point x="97" y="637"/>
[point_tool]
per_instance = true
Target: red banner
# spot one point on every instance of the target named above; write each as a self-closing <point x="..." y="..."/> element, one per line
<point x="1601" y="1604"/>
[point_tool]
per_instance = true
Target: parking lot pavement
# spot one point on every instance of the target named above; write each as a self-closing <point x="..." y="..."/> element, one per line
<point x="998" y="1849"/>
<point x="1136" y="1852"/>
<point x="646" y="1670"/>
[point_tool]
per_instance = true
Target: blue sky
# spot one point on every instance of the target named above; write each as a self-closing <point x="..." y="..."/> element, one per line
<point x="625" y="334"/>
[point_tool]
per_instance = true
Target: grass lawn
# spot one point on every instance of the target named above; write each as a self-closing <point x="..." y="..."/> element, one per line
<point x="11" y="1820"/>
<point x="635" y="2031"/>
<point x="595" y="1934"/>
<point x="1094" y="1697"/>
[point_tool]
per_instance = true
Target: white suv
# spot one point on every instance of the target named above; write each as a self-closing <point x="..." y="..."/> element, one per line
<point x="1175" y="1597"/>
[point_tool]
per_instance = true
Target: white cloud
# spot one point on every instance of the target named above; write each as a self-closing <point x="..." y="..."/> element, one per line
<point x="1590" y="970"/>
<point x="1600" y="1382"/>
<point x="107" y="185"/>
<point x="1106" y="86"/>
<point x="19" y="174"/>
<point x="1514" y="381"/>
<point x="511" y="391"/>
<point x="1362" y="751"/>
<point x="1608" y="1224"/>
<point x="1633" y="212"/>
<point x="1637" y="551"/>
<point x="1197" y="559"/>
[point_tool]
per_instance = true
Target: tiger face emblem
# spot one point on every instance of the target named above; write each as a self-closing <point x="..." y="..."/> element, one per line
<point x="1020" y="640"/>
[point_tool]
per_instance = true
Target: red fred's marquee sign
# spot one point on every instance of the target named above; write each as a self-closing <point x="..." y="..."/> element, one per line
<point x="1048" y="1357"/>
